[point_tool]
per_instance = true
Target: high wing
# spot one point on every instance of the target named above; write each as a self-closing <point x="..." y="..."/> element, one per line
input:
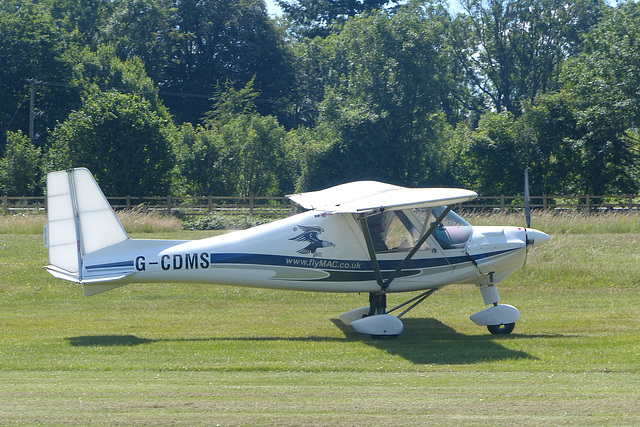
<point x="364" y="196"/>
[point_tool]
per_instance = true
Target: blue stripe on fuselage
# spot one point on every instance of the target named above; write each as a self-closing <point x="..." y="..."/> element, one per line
<point x="329" y="265"/>
<point x="320" y="263"/>
<point x="324" y="263"/>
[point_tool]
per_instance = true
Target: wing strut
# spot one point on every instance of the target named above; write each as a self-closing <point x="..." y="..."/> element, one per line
<point x="372" y="253"/>
<point x="423" y="296"/>
<point x="384" y="283"/>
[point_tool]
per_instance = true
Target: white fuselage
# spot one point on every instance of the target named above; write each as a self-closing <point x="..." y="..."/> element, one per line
<point x="312" y="251"/>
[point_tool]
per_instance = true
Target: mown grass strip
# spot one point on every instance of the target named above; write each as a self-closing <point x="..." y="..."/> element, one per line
<point x="249" y="398"/>
<point x="191" y="354"/>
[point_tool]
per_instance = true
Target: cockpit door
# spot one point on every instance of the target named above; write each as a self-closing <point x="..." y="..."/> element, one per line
<point x="394" y="236"/>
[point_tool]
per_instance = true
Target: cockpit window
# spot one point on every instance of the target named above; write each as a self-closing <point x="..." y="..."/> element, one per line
<point x="452" y="233"/>
<point x="394" y="231"/>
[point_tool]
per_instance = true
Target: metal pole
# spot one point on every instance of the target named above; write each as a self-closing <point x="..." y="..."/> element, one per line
<point x="32" y="103"/>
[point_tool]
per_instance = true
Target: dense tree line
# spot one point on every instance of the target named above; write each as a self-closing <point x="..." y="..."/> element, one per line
<point x="217" y="97"/>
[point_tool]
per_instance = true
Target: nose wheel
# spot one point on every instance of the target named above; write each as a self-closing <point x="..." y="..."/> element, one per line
<point x="500" y="319"/>
<point x="501" y="329"/>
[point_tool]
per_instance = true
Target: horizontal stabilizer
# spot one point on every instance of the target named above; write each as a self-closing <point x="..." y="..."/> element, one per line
<point x="86" y="281"/>
<point x="63" y="274"/>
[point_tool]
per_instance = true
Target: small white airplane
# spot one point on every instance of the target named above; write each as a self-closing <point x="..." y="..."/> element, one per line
<point x="363" y="236"/>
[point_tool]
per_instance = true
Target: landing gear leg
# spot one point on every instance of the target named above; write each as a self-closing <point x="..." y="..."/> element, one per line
<point x="377" y="303"/>
<point x="374" y="320"/>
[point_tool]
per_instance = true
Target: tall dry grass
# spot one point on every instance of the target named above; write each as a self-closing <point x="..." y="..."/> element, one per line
<point x="622" y="222"/>
<point x="567" y="222"/>
<point x="144" y="222"/>
<point x="22" y="223"/>
<point x="133" y="222"/>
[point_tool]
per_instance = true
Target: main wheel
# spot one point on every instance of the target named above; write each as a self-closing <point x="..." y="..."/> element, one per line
<point x="501" y="329"/>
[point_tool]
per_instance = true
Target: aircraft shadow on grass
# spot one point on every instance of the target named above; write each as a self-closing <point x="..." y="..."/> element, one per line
<point x="429" y="341"/>
<point x="424" y="341"/>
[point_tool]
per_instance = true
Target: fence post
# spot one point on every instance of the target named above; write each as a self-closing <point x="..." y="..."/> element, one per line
<point x="251" y="205"/>
<point x="128" y="203"/>
<point x="502" y="204"/>
<point x="209" y="204"/>
<point x="630" y="201"/>
<point x="588" y="203"/>
<point x="545" y="202"/>
<point x="5" y="203"/>
<point x="169" y="205"/>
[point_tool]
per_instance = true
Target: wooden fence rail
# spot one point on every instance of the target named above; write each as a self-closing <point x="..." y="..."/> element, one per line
<point x="203" y="205"/>
<point x="279" y="206"/>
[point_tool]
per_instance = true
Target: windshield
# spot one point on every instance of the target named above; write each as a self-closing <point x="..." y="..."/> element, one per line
<point x="452" y="233"/>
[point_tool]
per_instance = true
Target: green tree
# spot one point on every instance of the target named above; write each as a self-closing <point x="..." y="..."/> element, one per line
<point x="82" y="21"/>
<point x="245" y="152"/>
<point x="142" y="29"/>
<point x="191" y="47"/>
<point x="315" y="60"/>
<point x="320" y="17"/>
<point x="31" y="48"/>
<point x="603" y="82"/>
<point x="121" y="140"/>
<point x="512" y="51"/>
<point x="43" y="42"/>
<point x="252" y="159"/>
<point x="385" y="100"/>
<point x="20" y="168"/>
<point x="549" y="130"/>
<point x="230" y="103"/>
<point x="198" y="154"/>
<point x="544" y="139"/>
<point x="100" y="70"/>
<point x="314" y="157"/>
<point x="493" y="157"/>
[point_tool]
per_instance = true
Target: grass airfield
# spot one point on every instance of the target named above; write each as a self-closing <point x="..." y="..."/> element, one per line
<point x="196" y="354"/>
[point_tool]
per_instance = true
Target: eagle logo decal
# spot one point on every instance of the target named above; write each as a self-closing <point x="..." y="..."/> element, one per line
<point x="310" y="234"/>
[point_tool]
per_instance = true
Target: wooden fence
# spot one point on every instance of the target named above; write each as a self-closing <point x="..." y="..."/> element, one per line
<point x="588" y="203"/>
<point x="279" y="206"/>
<point x="204" y="205"/>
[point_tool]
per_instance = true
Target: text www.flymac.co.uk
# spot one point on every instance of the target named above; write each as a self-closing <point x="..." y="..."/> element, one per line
<point x="324" y="263"/>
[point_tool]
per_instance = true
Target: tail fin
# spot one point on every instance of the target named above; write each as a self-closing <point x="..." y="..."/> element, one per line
<point x="80" y="221"/>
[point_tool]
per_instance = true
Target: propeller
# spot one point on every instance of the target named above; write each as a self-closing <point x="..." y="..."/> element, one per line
<point x="527" y="202"/>
<point x="533" y="236"/>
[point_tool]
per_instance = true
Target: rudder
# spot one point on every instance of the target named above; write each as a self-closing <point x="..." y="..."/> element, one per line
<point x="80" y="221"/>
